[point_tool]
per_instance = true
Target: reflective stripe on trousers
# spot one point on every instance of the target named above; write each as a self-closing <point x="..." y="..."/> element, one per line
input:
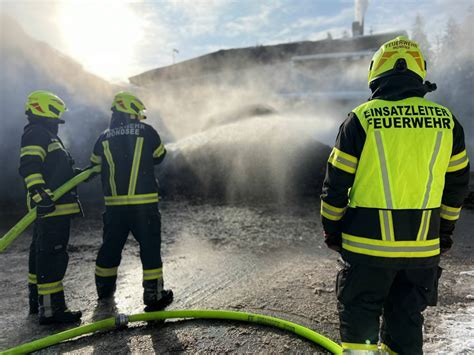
<point x="390" y="249"/>
<point x="153" y="274"/>
<point x="106" y="272"/>
<point x="131" y="199"/>
<point x="424" y="225"/>
<point x="49" y="288"/>
<point x="386" y="225"/>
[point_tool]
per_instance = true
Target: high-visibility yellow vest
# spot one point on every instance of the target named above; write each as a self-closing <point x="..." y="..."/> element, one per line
<point x="406" y="154"/>
<point x="395" y="200"/>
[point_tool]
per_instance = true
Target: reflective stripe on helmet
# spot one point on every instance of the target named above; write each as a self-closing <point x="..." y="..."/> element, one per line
<point x="389" y="56"/>
<point x="129" y="103"/>
<point x="45" y="104"/>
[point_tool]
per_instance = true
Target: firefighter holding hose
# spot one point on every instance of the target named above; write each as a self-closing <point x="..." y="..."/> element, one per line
<point x="395" y="182"/>
<point x="45" y="164"/>
<point x="127" y="153"/>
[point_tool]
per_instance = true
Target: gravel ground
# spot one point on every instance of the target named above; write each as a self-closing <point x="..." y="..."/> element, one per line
<point x="262" y="258"/>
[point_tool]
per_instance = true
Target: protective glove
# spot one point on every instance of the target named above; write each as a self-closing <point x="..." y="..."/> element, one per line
<point x="445" y="242"/>
<point x="44" y="201"/>
<point x="333" y="241"/>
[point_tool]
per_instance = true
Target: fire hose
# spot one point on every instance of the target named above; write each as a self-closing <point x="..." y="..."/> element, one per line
<point x="122" y="320"/>
<point x="30" y="217"/>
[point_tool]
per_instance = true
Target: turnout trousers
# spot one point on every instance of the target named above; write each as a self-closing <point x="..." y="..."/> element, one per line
<point x="366" y="293"/>
<point x="145" y="224"/>
<point x="48" y="260"/>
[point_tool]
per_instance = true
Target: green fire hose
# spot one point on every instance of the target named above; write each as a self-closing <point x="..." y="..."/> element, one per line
<point x="122" y="320"/>
<point x="29" y="218"/>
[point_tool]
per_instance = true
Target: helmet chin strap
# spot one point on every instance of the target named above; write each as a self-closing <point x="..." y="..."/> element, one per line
<point x="430" y="86"/>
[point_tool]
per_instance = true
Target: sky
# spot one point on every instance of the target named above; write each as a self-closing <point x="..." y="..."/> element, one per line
<point x="116" y="39"/>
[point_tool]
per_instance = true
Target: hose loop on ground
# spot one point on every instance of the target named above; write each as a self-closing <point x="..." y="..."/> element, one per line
<point x="121" y="320"/>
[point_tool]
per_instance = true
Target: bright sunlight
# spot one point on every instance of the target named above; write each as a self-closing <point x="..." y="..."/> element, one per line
<point x="102" y="35"/>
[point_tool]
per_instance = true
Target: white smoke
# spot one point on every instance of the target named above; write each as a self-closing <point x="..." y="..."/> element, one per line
<point x="360" y="9"/>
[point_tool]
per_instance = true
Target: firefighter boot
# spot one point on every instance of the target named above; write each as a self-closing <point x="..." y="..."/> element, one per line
<point x="33" y="298"/>
<point x="52" y="309"/>
<point x="105" y="286"/>
<point x="154" y="296"/>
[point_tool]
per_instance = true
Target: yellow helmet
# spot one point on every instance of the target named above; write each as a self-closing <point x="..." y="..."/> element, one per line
<point x="398" y="54"/>
<point x="129" y="103"/>
<point x="45" y="104"/>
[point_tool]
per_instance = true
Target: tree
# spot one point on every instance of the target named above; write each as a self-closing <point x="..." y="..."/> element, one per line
<point x="419" y="35"/>
<point x="451" y="36"/>
<point x="454" y="72"/>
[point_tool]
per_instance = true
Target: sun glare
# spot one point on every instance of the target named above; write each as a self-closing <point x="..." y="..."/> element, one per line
<point x="102" y="35"/>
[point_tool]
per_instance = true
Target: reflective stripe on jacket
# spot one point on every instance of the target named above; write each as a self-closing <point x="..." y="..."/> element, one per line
<point x="46" y="163"/>
<point x="406" y="154"/>
<point x="127" y="154"/>
<point x="397" y="171"/>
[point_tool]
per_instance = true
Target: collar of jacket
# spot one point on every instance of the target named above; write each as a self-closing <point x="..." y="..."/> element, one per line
<point x="399" y="87"/>
<point x="50" y="127"/>
<point x="119" y="119"/>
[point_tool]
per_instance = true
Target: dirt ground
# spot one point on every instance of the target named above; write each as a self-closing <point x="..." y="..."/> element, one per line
<point x="263" y="258"/>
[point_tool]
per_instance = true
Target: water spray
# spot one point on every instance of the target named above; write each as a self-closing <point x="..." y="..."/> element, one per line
<point x="30" y="217"/>
<point x="122" y="320"/>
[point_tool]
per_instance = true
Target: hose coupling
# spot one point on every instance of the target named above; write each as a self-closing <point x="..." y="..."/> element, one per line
<point x="121" y="320"/>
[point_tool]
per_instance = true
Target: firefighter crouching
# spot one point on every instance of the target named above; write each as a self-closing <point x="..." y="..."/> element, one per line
<point x="395" y="182"/>
<point x="127" y="153"/>
<point x="45" y="164"/>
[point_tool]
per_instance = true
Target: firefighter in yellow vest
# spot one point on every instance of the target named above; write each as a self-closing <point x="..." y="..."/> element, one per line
<point x="127" y="153"/>
<point x="395" y="182"/>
